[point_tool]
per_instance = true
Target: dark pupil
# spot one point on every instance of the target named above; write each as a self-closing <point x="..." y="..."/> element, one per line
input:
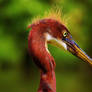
<point x="65" y="34"/>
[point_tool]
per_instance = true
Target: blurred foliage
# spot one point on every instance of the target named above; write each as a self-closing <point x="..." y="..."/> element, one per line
<point x="17" y="71"/>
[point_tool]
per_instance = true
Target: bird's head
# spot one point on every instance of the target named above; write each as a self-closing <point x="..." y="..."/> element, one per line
<point x="57" y="34"/>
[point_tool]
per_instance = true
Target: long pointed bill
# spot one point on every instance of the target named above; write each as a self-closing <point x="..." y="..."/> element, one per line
<point x="77" y="51"/>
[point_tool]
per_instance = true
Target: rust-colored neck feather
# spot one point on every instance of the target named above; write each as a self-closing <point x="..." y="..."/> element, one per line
<point x="42" y="58"/>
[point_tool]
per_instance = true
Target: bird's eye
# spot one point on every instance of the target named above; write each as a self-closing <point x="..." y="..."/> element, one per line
<point x="65" y="34"/>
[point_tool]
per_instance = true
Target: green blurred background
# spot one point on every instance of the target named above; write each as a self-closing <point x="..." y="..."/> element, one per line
<point x="17" y="71"/>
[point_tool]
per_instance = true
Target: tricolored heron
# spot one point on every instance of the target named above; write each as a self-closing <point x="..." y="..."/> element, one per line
<point x="50" y="31"/>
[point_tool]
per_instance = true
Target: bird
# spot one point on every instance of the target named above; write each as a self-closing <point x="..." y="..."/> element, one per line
<point x="46" y="31"/>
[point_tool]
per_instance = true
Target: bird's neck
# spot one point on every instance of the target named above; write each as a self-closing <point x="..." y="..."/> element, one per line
<point x="47" y="82"/>
<point x="44" y="61"/>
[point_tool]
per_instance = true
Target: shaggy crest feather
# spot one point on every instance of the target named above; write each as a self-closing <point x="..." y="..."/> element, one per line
<point x="51" y="14"/>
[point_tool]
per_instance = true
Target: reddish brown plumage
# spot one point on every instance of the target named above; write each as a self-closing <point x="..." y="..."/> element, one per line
<point x="41" y="57"/>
